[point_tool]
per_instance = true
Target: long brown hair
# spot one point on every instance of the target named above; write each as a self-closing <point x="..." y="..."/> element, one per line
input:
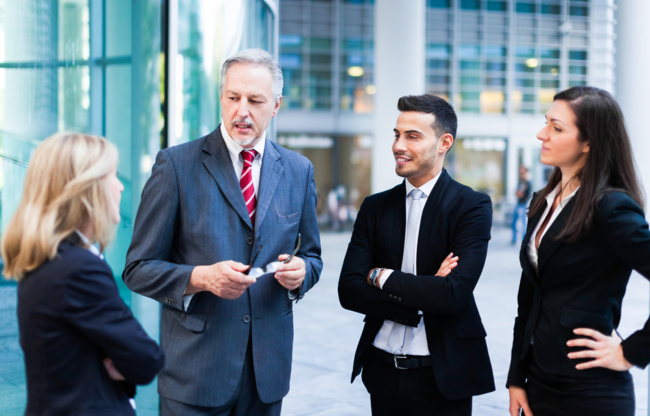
<point x="609" y="165"/>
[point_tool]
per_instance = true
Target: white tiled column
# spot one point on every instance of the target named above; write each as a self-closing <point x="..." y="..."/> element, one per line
<point x="399" y="70"/>
<point x="633" y="83"/>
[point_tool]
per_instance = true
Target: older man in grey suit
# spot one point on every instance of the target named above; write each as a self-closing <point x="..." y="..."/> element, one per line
<point x="212" y="209"/>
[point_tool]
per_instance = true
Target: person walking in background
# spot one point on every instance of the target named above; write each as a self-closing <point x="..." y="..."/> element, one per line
<point x="84" y="351"/>
<point x="416" y="254"/>
<point x="519" y="213"/>
<point x="212" y="209"/>
<point x="587" y="232"/>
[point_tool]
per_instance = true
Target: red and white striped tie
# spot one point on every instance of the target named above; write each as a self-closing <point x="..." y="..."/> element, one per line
<point x="246" y="182"/>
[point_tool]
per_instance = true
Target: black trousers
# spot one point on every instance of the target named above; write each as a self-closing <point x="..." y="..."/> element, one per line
<point x="395" y="392"/>
<point x="549" y="395"/>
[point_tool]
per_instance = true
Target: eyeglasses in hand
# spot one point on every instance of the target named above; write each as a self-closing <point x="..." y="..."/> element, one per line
<point x="273" y="266"/>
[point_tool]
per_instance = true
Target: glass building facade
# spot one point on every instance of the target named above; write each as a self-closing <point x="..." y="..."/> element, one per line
<point x="499" y="63"/>
<point x="144" y="74"/>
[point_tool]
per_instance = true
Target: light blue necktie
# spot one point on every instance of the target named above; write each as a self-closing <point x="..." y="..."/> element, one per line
<point x="401" y="336"/>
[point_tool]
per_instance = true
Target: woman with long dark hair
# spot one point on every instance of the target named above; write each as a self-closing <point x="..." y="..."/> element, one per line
<point x="586" y="233"/>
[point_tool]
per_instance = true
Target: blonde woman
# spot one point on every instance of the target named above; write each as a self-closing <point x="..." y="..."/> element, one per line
<point x="84" y="351"/>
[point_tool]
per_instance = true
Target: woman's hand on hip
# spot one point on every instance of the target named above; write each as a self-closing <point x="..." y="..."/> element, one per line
<point x="605" y="351"/>
<point x="519" y="401"/>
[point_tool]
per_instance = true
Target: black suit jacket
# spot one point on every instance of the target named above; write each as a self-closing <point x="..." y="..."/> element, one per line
<point x="580" y="284"/>
<point x="454" y="219"/>
<point x="71" y="317"/>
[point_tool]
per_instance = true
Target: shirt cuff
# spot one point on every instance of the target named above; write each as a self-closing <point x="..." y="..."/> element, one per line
<point x="384" y="277"/>
<point x="186" y="301"/>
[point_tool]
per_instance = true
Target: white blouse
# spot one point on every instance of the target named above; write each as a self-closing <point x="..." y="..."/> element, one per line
<point x="531" y="249"/>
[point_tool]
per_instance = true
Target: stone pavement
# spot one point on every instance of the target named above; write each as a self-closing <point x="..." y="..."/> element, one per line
<point x="326" y="336"/>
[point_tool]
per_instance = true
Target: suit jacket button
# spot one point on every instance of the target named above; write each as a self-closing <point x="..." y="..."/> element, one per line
<point x="246" y="319"/>
<point x="249" y="241"/>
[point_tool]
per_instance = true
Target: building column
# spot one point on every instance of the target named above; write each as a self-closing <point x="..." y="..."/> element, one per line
<point x="632" y="81"/>
<point x="399" y="70"/>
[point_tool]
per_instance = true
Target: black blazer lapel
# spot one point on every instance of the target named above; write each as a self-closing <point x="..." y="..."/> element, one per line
<point x="397" y="226"/>
<point x="219" y="165"/>
<point x="432" y="209"/>
<point x="550" y="242"/>
<point x="527" y="267"/>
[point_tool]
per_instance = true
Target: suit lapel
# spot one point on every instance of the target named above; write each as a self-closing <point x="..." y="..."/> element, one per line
<point x="397" y="225"/>
<point x="219" y="165"/>
<point x="550" y="242"/>
<point x="270" y="176"/>
<point x="430" y="211"/>
<point x="529" y="270"/>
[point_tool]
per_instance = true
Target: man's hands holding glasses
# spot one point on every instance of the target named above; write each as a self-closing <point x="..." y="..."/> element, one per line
<point x="229" y="279"/>
<point x="289" y="270"/>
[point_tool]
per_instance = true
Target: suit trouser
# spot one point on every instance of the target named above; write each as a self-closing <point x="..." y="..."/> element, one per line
<point x="245" y="402"/>
<point x="407" y="392"/>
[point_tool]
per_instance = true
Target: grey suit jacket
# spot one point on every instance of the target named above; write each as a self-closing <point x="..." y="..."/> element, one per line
<point x="193" y="213"/>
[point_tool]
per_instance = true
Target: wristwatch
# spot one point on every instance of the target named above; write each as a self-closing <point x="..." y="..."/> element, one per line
<point x="374" y="275"/>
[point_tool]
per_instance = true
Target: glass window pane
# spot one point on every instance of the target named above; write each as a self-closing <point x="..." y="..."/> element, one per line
<point x="438" y="64"/>
<point x="470" y="4"/>
<point x="577" y="69"/>
<point x="438" y="50"/>
<point x="551" y="9"/>
<point x="524" y="52"/>
<point x="290" y="40"/>
<point x="118" y="18"/>
<point x="522" y="7"/>
<point x="524" y="82"/>
<point x="469" y="51"/>
<point x="579" y="11"/>
<point x="578" y="55"/>
<point x="438" y="4"/>
<point x="549" y="53"/>
<point x="495" y="66"/>
<point x="321" y="43"/>
<point x="497" y="6"/>
<point x="495" y="51"/>
<point x="469" y="65"/>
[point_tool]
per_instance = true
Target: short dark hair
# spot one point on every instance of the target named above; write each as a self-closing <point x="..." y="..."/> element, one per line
<point x="445" y="116"/>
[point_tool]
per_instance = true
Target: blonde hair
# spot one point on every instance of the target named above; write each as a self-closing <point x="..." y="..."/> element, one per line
<point x="65" y="189"/>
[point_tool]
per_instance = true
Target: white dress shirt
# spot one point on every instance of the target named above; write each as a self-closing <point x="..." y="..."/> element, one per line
<point x="419" y="345"/>
<point x="531" y="250"/>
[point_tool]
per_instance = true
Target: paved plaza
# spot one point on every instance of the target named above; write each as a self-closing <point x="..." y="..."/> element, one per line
<point x="326" y="336"/>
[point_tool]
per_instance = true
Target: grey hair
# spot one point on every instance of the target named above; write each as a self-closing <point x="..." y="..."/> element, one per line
<point x="255" y="57"/>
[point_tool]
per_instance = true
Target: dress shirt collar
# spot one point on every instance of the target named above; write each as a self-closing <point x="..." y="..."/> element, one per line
<point x="551" y="196"/>
<point x="234" y="148"/>
<point x="88" y="245"/>
<point x="426" y="189"/>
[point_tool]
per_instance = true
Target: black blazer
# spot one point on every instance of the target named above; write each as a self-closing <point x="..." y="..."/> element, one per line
<point x="70" y="317"/>
<point x="580" y="284"/>
<point x="455" y="218"/>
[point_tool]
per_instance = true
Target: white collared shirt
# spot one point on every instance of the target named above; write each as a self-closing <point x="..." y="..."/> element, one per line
<point x="419" y="345"/>
<point x="89" y="246"/>
<point x="234" y="151"/>
<point x="531" y="250"/>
